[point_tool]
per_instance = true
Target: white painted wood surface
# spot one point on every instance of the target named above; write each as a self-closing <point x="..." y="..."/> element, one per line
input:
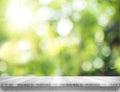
<point x="98" y="84"/>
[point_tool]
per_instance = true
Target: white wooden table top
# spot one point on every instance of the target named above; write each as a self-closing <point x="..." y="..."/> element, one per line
<point x="61" y="80"/>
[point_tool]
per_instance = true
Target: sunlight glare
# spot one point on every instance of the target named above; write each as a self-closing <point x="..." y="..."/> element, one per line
<point x="64" y="27"/>
<point x="103" y="20"/>
<point x="98" y="63"/>
<point x="44" y="14"/>
<point x="79" y="5"/>
<point x="86" y="66"/>
<point x="19" y="16"/>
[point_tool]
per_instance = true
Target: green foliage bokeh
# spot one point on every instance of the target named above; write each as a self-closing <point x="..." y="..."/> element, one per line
<point x="62" y="38"/>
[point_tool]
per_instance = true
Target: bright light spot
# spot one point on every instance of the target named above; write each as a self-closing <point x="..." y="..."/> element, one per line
<point x="103" y="20"/>
<point x="86" y="66"/>
<point x="3" y="66"/>
<point x="64" y="27"/>
<point x="19" y="16"/>
<point x="99" y="36"/>
<point x="45" y="2"/>
<point x="24" y="45"/>
<point x="110" y="11"/>
<point x="92" y="6"/>
<point x="44" y="14"/>
<point x="106" y="51"/>
<point x="98" y="63"/>
<point x="79" y="5"/>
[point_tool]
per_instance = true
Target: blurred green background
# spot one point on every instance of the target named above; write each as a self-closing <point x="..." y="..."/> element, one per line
<point x="59" y="37"/>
